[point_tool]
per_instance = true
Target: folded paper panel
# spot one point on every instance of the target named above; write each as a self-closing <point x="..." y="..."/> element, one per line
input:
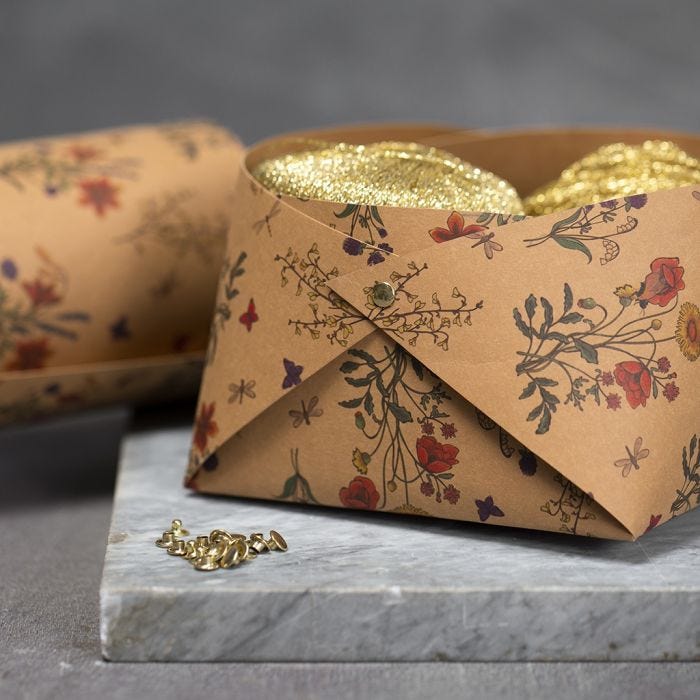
<point x="112" y="242"/>
<point x="374" y="430"/>
<point x="271" y="280"/>
<point x="573" y="335"/>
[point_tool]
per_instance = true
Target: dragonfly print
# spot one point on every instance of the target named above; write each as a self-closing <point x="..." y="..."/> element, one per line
<point x="306" y="412"/>
<point x="241" y="390"/>
<point x="634" y="456"/>
<point x="265" y="222"/>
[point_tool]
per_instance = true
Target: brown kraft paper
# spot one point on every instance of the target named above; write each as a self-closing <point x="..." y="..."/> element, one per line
<point x="531" y="372"/>
<point x="111" y="247"/>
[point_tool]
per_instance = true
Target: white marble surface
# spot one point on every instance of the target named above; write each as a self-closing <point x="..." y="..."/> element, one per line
<point x="373" y="587"/>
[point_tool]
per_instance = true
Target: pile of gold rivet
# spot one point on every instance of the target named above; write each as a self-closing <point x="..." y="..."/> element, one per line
<point x="219" y="549"/>
<point x="387" y="173"/>
<point x="616" y="170"/>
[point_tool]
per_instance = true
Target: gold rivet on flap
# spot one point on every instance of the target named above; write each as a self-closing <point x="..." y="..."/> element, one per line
<point x="383" y="294"/>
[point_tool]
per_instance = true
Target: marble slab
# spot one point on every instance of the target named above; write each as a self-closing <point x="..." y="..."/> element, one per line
<point x="373" y="587"/>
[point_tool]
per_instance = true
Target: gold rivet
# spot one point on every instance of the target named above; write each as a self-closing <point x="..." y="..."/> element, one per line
<point x="383" y="294"/>
<point x="205" y="564"/>
<point x="217" y="550"/>
<point x="166" y="540"/>
<point x="178" y="548"/>
<point x="221" y="549"/>
<point x="177" y="529"/>
<point x="235" y="554"/>
<point x="230" y="559"/>
<point x="257" y="542"/>
<point x="276" y="541"/>
<point x="220" y="536"/>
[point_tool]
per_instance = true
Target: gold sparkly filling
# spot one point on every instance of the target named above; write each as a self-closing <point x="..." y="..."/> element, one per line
<point x="387" y="173"/>
<point x="616" y="170"/>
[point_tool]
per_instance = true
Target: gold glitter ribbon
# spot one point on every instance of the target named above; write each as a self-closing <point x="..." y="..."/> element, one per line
<point x="616" y="170"/>
<point x="387" y="173"/>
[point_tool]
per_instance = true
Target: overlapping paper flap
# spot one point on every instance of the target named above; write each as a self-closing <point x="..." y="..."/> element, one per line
<point x="570" y="340"/>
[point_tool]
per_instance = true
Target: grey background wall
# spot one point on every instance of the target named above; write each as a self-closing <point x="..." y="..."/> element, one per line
<point x="264" y="66"/>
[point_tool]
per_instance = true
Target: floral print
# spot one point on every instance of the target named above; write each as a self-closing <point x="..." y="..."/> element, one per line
<point x="435" y="457"/>
<point x="58" y="169"/>
<point x="587" y="225"/>
<point x="29" y="354"/>
<point x="229" y="278"/>
<point x="360" y="493"/>
<point x="292" y="374"/>
<point x="688" y="495"/>
<point x="365" y="221"/>
<point x="168" y="222"/>
<point x="635" y="379"/>
<point x="394" y="396"/>
<point x="249" y="317"/>
<point x="100" y="194"/>
<point x="571" y="346"/>
<point x="487" y="509"/>
<point x="663" y="283"/>
<point x="297" y="488"/>
<point x="205" y="426"/>
<point x="456" y="228"/>
<point x="31" y="313"/>
<point x="654" y="520"/>
<point x="608" y="348"/>
<point x="41" y="293"/>
<point x="687" y="333"/>
<point x="572" y="506"/>
<point x="331" y="314"/>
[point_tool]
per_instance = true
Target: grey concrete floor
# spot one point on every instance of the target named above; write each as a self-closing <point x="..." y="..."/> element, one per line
<point x="55" y="510"/>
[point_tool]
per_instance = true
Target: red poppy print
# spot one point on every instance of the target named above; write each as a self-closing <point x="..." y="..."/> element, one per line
<point x="205" y="426"/>
<point x="249" y="317"/>
<point x="41" y="293"/>
<point x="360" y="493"/>
<point x="455" y="229"/>
<point x="100" y="194"/>
<point x="636" y="380"/>
<point x="30" y="354"/>
<point x="663" y="283"/>
<point x="435" y="457"/>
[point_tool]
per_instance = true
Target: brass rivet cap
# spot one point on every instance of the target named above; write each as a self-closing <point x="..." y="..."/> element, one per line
<point x="217" y="550"/>
<point x="177" y="548"/>
<point x="205" y="564"/>
<point x="166" y="540"/>
<point x="278" y="541"/>
<point x="383" y="294"/>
